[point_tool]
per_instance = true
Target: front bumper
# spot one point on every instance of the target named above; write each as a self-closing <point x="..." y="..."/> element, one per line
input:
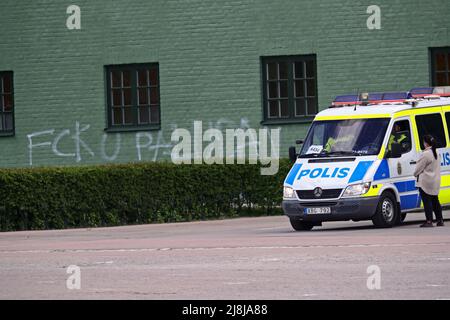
<point x="341" y="209"/>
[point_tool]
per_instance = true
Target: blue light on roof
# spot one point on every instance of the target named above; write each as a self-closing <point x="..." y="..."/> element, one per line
<point x="375" y="96"/>
<point x="424" y="90"/>
<point x="396" y="95"/>
<point x="347" y="98"/>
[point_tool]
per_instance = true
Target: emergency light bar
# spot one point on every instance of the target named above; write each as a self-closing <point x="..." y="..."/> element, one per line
<point x="374" y="98"/>
<point x="391" y="97"/>
<point x="430" y="91"/>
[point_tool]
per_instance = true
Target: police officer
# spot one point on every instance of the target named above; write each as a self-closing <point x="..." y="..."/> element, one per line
<point x="331" y="141"/>
<point x="396" y="136"/>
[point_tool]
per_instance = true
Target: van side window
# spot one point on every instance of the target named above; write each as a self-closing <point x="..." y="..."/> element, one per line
<point x="447" y="119"/>
<point x="431" y="124"/>
<point x="401" y="133"/>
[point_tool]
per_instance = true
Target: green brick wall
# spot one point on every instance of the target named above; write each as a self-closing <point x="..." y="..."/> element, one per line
<point x="209" y="58"/>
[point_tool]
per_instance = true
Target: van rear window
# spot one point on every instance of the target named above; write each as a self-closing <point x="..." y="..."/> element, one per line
<point x="431" y="124"/>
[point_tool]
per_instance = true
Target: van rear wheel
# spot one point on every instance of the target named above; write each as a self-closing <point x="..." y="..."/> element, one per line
<point x="387" y="211"/>
<point x="299" y="225"/>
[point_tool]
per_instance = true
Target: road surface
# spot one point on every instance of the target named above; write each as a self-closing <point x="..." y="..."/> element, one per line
<point x="245" y="258"/>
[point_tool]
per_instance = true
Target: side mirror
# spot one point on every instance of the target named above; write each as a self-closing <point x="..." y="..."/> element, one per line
<point x="292" y="154"/>
<point x="299" y="141"/>
<point x="396" y="151"/>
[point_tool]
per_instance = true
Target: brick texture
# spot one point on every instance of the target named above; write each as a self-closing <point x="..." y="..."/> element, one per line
<point x="209" y="57"/>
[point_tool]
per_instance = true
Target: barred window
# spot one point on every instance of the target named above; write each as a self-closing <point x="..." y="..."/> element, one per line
<point x="133" y="96"/>
<point x="6" y="103"/>
<point x="289" y="87"/>
<point x="440" y="66"/>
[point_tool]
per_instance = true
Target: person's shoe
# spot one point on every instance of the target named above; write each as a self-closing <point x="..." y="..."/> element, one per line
<point x="440" y="223"/>
<point x="427" y="225"/>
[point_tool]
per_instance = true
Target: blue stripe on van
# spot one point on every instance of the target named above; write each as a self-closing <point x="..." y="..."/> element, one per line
<point x="360" y="171"/>
<point x="406" y="186"/>
<point x="293" y="173"/>
<point x="382" y="171"/>
<point x="410" y="201"/>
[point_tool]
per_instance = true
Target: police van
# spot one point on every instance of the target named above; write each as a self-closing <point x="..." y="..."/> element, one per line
<point x="358" y="158"/>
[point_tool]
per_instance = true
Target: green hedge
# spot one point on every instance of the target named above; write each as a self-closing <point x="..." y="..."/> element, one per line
<point x="110" y="195"/>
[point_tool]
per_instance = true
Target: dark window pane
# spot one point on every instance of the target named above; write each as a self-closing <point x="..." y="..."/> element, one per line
<point x="128" y="115"/>
<point x="431" y="124"/>
<point x="153" y="77"/>
<point x="154" y="98"/>
<point x="116" y="79"/>
<point x="309" y="69"/>
<point x="448" y="61"/>
<point x="273" y="109"/>
<point x="126" y="79"/>
<point x="1" y="122"/>
<point x="447" y="119"/>
<point x="299" y="88"/>
<point x="117" y="116"/>
<point x="142" y="78"/>
<point x="143" y="115"/>
<point x="116" y="97"/>
<point x="143" y="96"/>
<point x="273" y="89"/>
<point x="311" y="88"/>
<point x="7" y="102"/>
<point x="441" y="79"/>
<point x="299" y="69"/>
<point x="440" y="61"/>
<point x="283" y="70"/>
<point x="127" y="97"/>
<point x="284" y="104"/>
<point x="283" y="89"/>
<point x="8" y="121"/>
<point x="272" y="71"/>
<point x="154" y="114"/>
<point x="300" y="107"/>
<point x="311" y="106"/>
<point x="7" y="83"/>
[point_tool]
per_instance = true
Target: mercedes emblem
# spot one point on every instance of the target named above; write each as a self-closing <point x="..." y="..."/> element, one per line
<point x="317" y="192"/>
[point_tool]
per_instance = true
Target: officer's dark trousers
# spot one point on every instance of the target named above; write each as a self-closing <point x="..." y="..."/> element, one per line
<point x="430" y="204"/>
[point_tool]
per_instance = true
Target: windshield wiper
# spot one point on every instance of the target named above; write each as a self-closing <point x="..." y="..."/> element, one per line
<point x="344" y="153"/>
<point x="331" y="153"/>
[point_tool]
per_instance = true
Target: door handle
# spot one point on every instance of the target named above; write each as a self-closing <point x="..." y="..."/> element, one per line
<point x="412" y="162"/>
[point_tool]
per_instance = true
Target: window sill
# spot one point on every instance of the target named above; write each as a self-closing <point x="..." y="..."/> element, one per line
<point x="288" y="121"/>
<point x="7" y="134"/>
<point x="134" y="128"/>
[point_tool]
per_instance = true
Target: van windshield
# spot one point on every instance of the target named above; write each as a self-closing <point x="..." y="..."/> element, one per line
<point x="358" y="137"/>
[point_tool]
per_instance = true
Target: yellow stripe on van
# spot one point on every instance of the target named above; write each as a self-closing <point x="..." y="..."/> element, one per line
<point x="382" y="152"/>
<point x="417" y="111"/>
<point x="373" y="192"/>
<point x="444" y="197"/>
<point x="445" y="181"/>
<point x="359" y="116"/>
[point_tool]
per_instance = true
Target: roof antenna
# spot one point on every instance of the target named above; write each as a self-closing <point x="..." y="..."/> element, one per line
<point x="357" y="90"/>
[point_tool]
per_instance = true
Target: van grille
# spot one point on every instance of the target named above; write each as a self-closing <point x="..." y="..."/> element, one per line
<point x="318" y="204"/>
<point x="326" y="194"/>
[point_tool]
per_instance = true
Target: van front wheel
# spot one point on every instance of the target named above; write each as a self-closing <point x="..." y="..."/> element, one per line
<point x="299" y="225"/>
<point x="387" y="211"/>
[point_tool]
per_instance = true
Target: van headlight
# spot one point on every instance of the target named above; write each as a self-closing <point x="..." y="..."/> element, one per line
<point x="288" y="193"/>
<point x="356" y="189"/>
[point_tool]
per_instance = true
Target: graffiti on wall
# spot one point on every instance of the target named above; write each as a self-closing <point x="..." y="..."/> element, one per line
<point x="148" y="145"/>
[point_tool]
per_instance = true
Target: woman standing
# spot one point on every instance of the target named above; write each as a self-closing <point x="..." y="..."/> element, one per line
<point x="428" y="174"/>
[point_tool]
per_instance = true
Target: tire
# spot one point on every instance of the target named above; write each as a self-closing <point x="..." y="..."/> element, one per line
<point x="299" y="225"/>
<point x="387" y="213"/>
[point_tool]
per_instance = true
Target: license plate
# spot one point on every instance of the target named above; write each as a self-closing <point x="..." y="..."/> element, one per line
<point x="322" y="210"/>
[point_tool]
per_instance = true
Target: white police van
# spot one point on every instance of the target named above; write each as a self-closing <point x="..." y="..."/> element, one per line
<point x="358" y="158"/>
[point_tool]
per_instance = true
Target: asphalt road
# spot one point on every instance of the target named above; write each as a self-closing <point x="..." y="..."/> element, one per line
<point x="246" y="258"/>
